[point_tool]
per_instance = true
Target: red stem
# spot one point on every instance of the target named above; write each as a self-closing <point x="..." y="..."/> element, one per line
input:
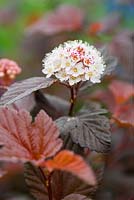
<point x="74" y="92"/>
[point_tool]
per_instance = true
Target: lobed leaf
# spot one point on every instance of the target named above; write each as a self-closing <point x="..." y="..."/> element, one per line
<point x="26" y="140"/>
<point x="23" y="88"/>
<point x="70" y="162"/>
<point x="35" y="181"/>
<point x="118" y="100"/>
<point x="65" y="183"/>
<point x="90" y="129"/>
<point x="62" y="183"/>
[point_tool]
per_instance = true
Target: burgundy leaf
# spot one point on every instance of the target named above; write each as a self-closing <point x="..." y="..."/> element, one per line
<point x="62" y="183"/>
<point x="117" y="93"/>
<point x="90" y="129"/>
<point x="122" y="46"/>
<point x="28" y="103"/>
<point x="54" y="106"/>
<point x="26" y="140"/>
<point x="65" y="18"/>
<point x="70" y="162"/>
<point x="76" y="197"/>
<point x="121" y="90"/>
<point x="2" y="173"/>
<point x="35" y="182"/>
<point x="124" y="115"/>
<point x="23" y="88"/>
<point x="106" y="97"/>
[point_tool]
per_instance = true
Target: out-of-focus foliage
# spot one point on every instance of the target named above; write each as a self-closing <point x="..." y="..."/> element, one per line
<point x="23" y="38"/>
<point x="15" y="16"/>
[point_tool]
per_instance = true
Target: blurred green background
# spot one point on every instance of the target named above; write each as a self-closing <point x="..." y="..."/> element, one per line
<point x="18" y="14"/>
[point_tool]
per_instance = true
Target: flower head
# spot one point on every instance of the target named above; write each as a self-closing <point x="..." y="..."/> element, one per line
<point x="8" y="70"/>
<point x="74" y="61"/>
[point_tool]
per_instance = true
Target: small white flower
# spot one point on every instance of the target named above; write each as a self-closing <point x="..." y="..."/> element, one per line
<point x="74" y="61"/>
<point x="62" y="76"/>
<point x="88" y="75"/>
<point x="76" y="70"/>
<point x="95" y="79"/>
<point x="48" y="71"/>
<point x="89" y="60"/>
<point x="73" y="80"/>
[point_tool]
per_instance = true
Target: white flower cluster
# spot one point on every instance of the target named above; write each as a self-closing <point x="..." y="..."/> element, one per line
<point x="74" y="61"/>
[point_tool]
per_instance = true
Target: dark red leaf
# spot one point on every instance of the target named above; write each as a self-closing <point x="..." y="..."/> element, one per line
<point x="26" y="140"/>
<point x="124" y="115"/>
<point x="117" y="93"/>
<point x="35" y="182"/>
<point x="27" y="103"/>
<point x="2" y="173"/>
<point x="122" y="46"/>
<point x="106" y="97"/>
<point x="65" y="183"/>
<point x="65" y="18"/>
<point x="53" y="106"/>
<point x="90" y="129"/>
<point x="70" y="162"/>
<point x="23" y="88"/>
<point x="76" y="197"/>
<point x="62" y="184"/>
<point x="121" y="90"/>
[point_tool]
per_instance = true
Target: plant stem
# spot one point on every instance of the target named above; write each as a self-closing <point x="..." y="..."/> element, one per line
<point x="47" y="183"/>
<point x="74" y="92"/>
<point x="72" y="100"/>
